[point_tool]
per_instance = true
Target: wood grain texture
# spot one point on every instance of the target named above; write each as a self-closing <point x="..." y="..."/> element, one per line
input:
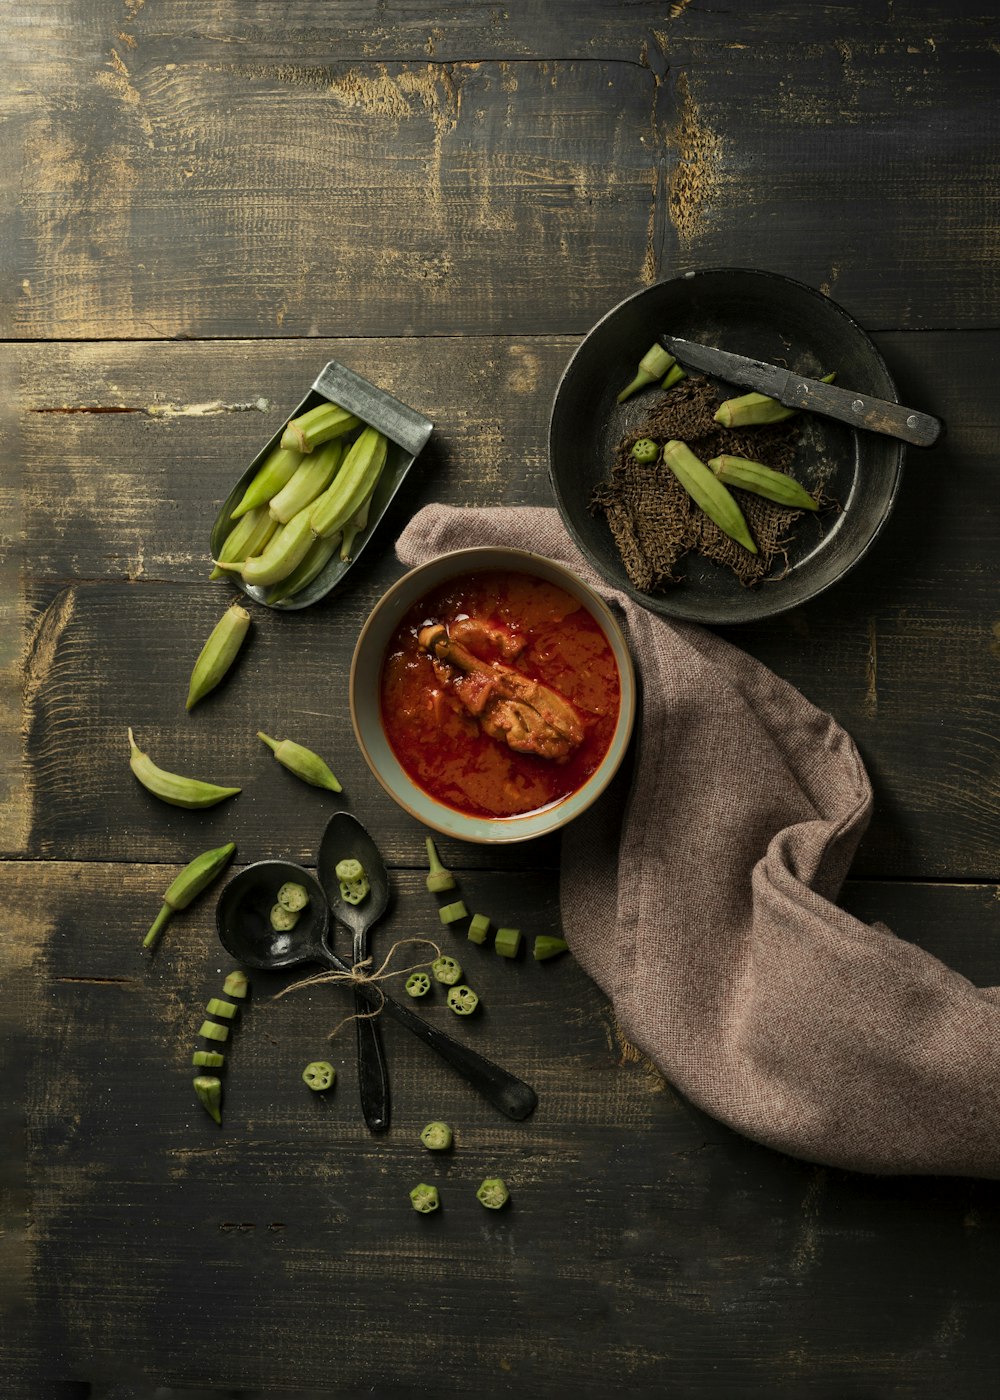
<point x="903" y="652"/>
<point x="643" y="1240"/>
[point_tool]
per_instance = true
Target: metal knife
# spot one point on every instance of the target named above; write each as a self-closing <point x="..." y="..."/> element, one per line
<point x="796" y="391"/>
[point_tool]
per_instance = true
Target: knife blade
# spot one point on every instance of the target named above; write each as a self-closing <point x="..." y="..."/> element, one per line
<point x="798" y="391"/>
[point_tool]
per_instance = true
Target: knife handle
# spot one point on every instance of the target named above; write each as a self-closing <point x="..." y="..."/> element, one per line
<point x="878" y="415"/>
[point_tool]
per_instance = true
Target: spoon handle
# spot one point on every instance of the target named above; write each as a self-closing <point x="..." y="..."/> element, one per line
<point x="373" y="1074"/>
<point x="499" y="1087"/>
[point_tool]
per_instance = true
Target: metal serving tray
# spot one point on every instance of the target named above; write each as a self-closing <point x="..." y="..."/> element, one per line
<point x="407" y="432"/>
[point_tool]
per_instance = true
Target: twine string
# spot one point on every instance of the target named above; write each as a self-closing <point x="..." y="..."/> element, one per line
<point x="359" y="973"/>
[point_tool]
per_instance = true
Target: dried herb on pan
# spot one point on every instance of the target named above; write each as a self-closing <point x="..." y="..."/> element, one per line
<point x="654" y="521"/>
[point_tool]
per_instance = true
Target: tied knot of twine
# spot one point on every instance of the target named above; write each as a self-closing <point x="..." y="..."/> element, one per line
<point x="360" y="974"/>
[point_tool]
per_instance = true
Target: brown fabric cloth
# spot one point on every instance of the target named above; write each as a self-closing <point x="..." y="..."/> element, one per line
<point x="705" y="909"/>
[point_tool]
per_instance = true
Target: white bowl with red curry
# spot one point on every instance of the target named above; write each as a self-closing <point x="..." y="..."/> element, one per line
<point x="492" y="694"/>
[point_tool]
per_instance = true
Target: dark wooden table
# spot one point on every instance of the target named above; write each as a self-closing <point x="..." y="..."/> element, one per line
<point x="205" y="202"/>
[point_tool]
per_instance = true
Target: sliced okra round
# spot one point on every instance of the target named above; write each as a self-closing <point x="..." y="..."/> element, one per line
<point x="447" y="970"/>
<point x="451" y="913"/>
<point x="319" y="1075"/>
<point x="293" y="897"/>
<point x="425" y="1198"/>
<point x="493" y="1193"/>
<point x="283" y="919"/>
<point x="462" y="1000"/>
<point x="437" y="1136"/>
<point x="418" y="984"/>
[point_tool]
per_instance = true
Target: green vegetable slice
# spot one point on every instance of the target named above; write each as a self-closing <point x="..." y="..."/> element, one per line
<point x="645" y="450"/>
<point x="293" y="897"/>
<point x="447" y="970"/>
<point x="209" y="1091"/>
<point x="451" y="913"/>
<point x="211" y="1030"/>
<point x="548" y="947"/>
<point x="425" y="1198"/>
<point x="462" y="1000"/>
<point x="226" y="1009"/>
<point x="208" y="1059"/>
<point x="437" y="1136"/>
<point x="319" y="1075"/>
<point x="353" y="881"/>
<point x="283" y="919"/>
<point x="418" y="984"/>
<point x="236" y="984"/>
<point x="479" y="928"/>
<point x="438" y="878"/>
<point x="493" y="1193"/>
<point x="507" y="942"/>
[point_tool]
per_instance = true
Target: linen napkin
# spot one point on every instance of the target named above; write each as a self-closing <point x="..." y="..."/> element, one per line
<point x="702" y="902"/>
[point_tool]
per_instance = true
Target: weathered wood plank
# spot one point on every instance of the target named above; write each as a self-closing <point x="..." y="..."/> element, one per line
<point x="646" y="1246"/>
<point x="903" y="652"/>
<point x="471" y="193"/>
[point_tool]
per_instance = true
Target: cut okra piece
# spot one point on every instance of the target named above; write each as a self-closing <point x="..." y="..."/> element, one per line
<point x="293" y="897"/>
<point x="447" y="970"/>
<point x="211" y="1030"/>
<point x="319" y="1075"/>
<point x="283" y="919"/>
<point x="424" y="1198"/>
<point x="462" y="1000"/>
<point x="208" y="1059"/>
<point x="548" y="947"/>
<point x="353" y="881"/>
<point x="209" y="1091"/>
<point x="437" y="1136"/>
<point x="507" y="942"/>
<point x="479" y="928"/>
<point x="226" y="1009"/>
<point x="418" y="984"/>
<point x="493" y="1193"/>
<point x="236" y="984"/>
<point x="451" y="913"/>
<point x="438" y="878"/>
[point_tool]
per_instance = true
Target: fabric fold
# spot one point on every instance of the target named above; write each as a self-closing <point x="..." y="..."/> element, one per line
<point x="704" y="905"/>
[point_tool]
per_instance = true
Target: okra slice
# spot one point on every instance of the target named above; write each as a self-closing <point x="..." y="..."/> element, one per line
<point x="418" y="984"/>
<point x="209" y="1091"/>
<point x="211" y="1030"/>
<point x="283" y="919"/>
<point x="226" y="1009"/>
<point x="437" y="1136"/>
<point x="447" y="970"/>
<point x="462" y="1000"/>
<point x="236" y="984"/>
<point x="208" y="1059"/>
<point x="319" y="1075"/>
<point x="493" y="1193"/>
<point x="425" y="1198"/>
<point x="479" y="928"/>
<point x="293" y="897"/>
<point x="507" y="942"/>
<point x="548" y="947"/>
<point x="451" y="913"/>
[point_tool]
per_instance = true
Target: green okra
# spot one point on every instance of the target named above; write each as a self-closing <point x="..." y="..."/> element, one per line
<point x="548" y="947"/>
<point x="318" y="425"/>
<point x="645" y="450"/>
<point x="451" y="913"/>
<point x="249" y="537"/>
<point x="353" y="880"/>
<point x="282" y="919"/>
<point x="211" y="1030"/>
<point x="750" y="410"/>
<point x="425" y="1198"/>
<point x="197" y="875"/>
<point x="317" y="557"/>
<point x="209" y="1090"/>
<point x="447" y="970"/>
<point x="173" y="788"/>
<point x="293" y="896"/>
<point x="762" y="481"/>
<point x="312" y="476"/>
<point x="507" y="942"/>
<point x="462" y="1000"/>
<point x="302" y="762"/>
<point x="354" y="527"/>
<point x="218" y="653"/>
<point x="217" y="1007"/>
<point x="286" y="549"/>
<point x="418" y="984"/>
<point x="438" y="878"/>
<point x="479" y="928"/>
<point x="493" y="1193"/>
<point x="437" y="1136"/>
<point x="320" y="1075"/>
<point x="704" y="487"/>
<point x="653" y="366"/>
<point x="276" y="471"/>
<point x="352" y="484"/>
<point x="208" y="1059"/>
<point x="236" y="984"/>
<point x="673" y="376"/>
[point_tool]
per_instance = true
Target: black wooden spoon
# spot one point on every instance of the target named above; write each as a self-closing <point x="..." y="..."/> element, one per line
<point x="243" y="920"/>
<point x="346" y="839"/>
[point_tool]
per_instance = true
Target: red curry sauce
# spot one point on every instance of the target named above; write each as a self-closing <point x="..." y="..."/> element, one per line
<point x="443" y="748"/>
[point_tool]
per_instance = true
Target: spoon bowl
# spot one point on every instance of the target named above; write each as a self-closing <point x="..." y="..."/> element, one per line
<point x="243" y="918"/>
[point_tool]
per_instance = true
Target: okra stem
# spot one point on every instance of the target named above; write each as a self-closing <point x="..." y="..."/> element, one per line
<point x="653" y="366"/>
<point x="438" y="878"/>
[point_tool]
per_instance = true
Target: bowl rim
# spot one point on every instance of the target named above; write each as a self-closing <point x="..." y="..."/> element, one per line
<point x="545" y="820"/>
<point x="658" y="604"/>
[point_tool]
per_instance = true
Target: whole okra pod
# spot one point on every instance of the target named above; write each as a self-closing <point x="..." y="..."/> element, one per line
<point x="750" y="410"/>
<point x="302" y="762"/>
<point x="247" y="537"/>
<point x="352" y="484"/>
<point x="312" y="476"/>
<point x="196" y="876"/>
<point x="704" y="487"/>
<point x="218" y="653"/>
<point x="318" y="425"/>
<point x="277" y="470"/>
<point x="762" y="481"/>
<point x="173" y="788"/>
<point x="315" y="560"/>
<point x="287" y="549"/>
